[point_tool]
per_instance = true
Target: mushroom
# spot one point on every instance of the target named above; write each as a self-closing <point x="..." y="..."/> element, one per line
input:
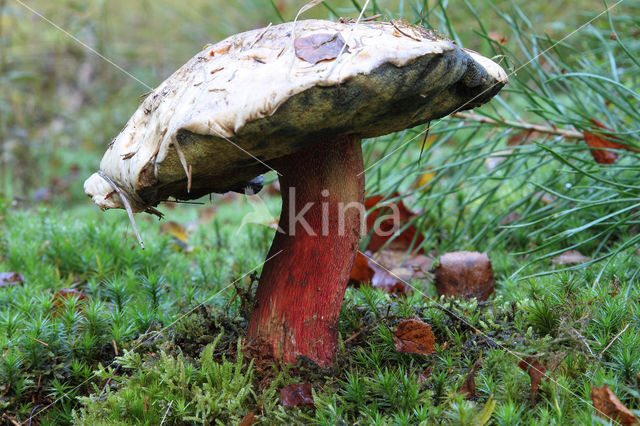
<point x="296" y="98"/>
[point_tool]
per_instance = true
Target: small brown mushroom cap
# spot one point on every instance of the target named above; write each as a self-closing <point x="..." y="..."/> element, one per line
<point x="250" y="99"/>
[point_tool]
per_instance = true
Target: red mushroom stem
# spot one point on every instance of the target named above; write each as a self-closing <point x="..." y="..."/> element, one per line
<point x="301" y="289"/>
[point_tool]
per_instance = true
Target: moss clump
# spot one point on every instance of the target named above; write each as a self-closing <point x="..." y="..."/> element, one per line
<point x="168" y="389"/>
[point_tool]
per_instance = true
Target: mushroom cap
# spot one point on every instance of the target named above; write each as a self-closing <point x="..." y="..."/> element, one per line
<point x="258" y="96"/>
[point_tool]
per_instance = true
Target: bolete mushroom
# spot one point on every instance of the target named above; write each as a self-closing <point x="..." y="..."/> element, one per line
<point x="296" y="98"/>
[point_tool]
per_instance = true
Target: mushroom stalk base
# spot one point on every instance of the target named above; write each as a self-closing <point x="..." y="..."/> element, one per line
<point x="301" y="289"/>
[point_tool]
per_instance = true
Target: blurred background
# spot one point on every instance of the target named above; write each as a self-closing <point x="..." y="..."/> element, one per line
<point x="61" y="104"/>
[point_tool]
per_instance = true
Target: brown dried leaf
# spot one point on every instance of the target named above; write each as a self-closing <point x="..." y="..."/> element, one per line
<point x="545" y="198"/>
<point x="319" y="47"/>
<point x="424" y="376"/>
<point x="9" y="279"/>
<point x="297" y="395"/>
<point x="65" y="294"/>
<point x="389" y="269"/>
<point x="510" y="218"/>
<point x="367" y="271"/>
<point x="465" y="274"/>
<point x="206" y="214"/>
<point x="178" y="233"/>
<point x="381" y="221"/>
<point x="249" y="419"/>
<point x="497" y="37"/>
<point x="522" y="138"/>
<point x="497" y="158"/>
<point x="603" y="140"/>
<point x="536" y="372"/>
<point x="174" y="229"/>
<point x="361" y="271"/>
<point x="570" y="257"/>
<point x="468" y="387"/>
<point x="607" y="405"/>
<point x="412" y="335"/>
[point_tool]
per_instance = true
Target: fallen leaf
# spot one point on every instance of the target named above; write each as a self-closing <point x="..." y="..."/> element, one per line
<point x="524" y="137"/>
<point x="9" y="279"/>
<point x="381" y="225"/>
<point x="468" y="387"/>
<point x="65" y="294"/>
<point x="424" y="376"/>
<point x="297" y="395"/>
<point x="510" y="218"/>
<point x="361" y="271"/>
<point x="405" y="266"/>
<point x="608" y="406"/>
<point x="603" y="140"/>
<point x="249" y="419"/>
<point x="497" y="158"/>
<point x="366" y="270"/>
<point x="178" y="235"/>
<point x="175" y="230"/>
<point x="412" y="335"/>
<point x="570" y="257"/>
<point x="206" y="214"/>
<point x="497" y="37"/>
<point x="389" y="269"/>
<point x="544" y="197"/>
<point x="536" y="372"/>
<point x="424" y="179"/>
<point x="465" y="274"/>
<point x="319" y="47"/>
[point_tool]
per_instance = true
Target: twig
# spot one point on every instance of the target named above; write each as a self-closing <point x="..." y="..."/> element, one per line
<point x="393" y="22"/>
<point x="39" y="341"/>
<point x="32" y="411"/>
<point x="4" y="416"/>
<point x="568" y="134"/>
<point x="613" y="340"/>
<point x="260" y="36"/>
<point x="371" y="18"/>
<point x="166" y="412"/>
<point x="115" y="371"/>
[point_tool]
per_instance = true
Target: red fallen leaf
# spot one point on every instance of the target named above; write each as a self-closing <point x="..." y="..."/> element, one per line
<point x="424" y="376"/>
<point x="206" y="214"/>
<point x="603" y="140"/>
<point x="608" y="405"/>
<point x="497" y="37"/>
<point x="66" y="293"/>
<point x="536" y="372"/>
<point x="381" y="221"/>
<point x="9" y="279"/>
<point x="297" y="395"/>
<point x="468" y="387"/>
<point x="465" y="274"/>
<point x="249" y="419"/>
<point x="414" y="336"/>
<point x="570" y="257"/>
<point x="523" y="137"/>
<point x="319" y="47"/>
<point x="361" y="271"/>
<point x="365" y="270"/>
